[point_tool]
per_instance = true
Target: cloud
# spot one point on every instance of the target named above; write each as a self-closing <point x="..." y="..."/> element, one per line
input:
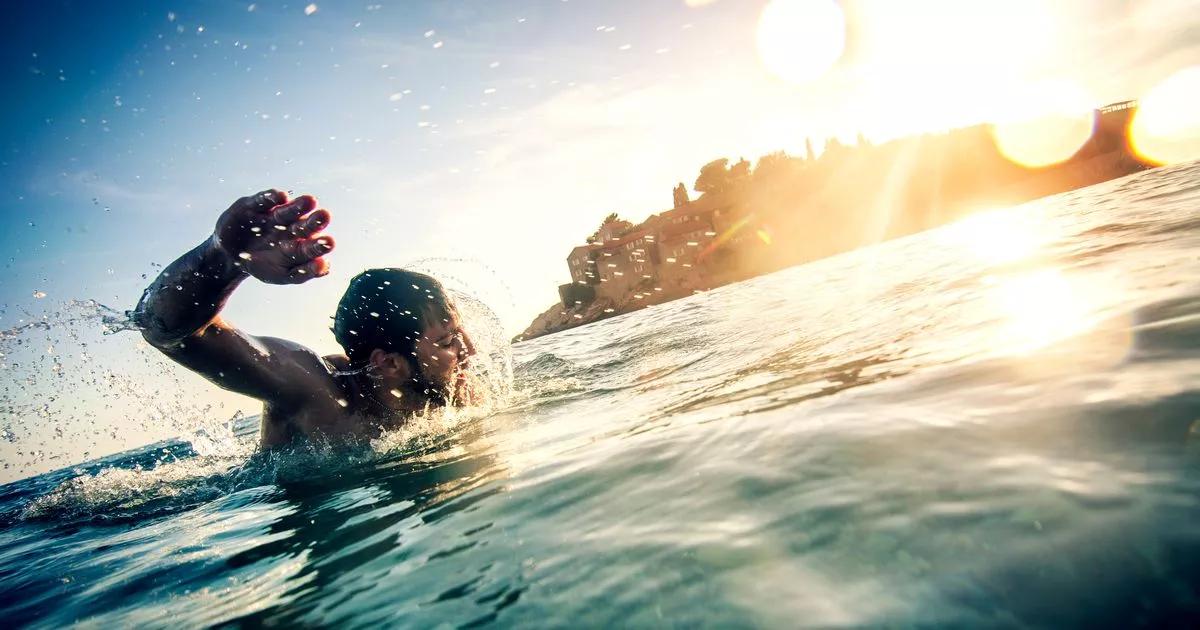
<point x="88" y="185"/>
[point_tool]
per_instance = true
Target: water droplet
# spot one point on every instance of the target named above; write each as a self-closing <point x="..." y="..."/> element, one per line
<point x="310" y="9"/>
<point x="343" y="402"/>
<point x="245" y="256"/>
<point x="39" y="294"/>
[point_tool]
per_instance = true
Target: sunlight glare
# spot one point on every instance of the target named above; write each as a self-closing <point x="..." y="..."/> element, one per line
<point x="926" y="65"/>
<point x="1040" y="308"/>
<point x="952" y="40"/>
<point x="1166" y="128"/>
<point x="799" y="40"/>
<point x="1046" y="125"/>
<point x="997" y="236"/>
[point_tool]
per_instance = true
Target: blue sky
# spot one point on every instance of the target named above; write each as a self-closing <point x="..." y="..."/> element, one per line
<point x="498" y="133"/>
<point x="504" y="143"/>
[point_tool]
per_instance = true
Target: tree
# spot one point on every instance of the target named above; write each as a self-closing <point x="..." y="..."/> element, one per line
<point x="808" y="150"/>
<point x="619" y="226"/>
<point x="738" y="173"/>
<point x="681" y="196"/>
<point x="834" y="149"/>
<point x="775" y="165"/>
<point x="714" y="177"/>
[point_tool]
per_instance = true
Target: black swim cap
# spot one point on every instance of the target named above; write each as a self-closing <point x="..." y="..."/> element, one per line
<point x="388" y="309"/>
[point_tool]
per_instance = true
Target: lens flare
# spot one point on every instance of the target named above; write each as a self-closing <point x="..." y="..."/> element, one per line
<point x="1046" y="126"/>
<point x="1166" y="128"/>
<point x="799" y="40"/>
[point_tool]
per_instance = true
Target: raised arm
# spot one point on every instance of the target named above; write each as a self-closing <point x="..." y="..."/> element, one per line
<point x="265" y="236"/>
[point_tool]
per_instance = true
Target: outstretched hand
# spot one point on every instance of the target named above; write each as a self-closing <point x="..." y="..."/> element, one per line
<point x="276" y="240"/>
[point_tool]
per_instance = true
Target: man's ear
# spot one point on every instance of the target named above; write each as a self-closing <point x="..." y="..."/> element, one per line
<point x="389" y="364"/>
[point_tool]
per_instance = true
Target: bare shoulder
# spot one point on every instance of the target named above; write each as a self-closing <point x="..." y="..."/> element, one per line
<point x="338" y="362"/>
<point x="315" y="403"/>
<point x="303" y="367"/>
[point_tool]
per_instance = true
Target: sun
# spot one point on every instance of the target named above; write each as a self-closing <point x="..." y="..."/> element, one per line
<point x="799" y="40"/>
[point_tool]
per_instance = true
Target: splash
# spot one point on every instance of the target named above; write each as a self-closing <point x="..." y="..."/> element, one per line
<point x="137" y="486"/>
<point x="85" y="389"/>
<point x="116" y="494"/>
<point x="69" y="399"/>
<point x="484" y="301"/>
<point x="78" y="389"/>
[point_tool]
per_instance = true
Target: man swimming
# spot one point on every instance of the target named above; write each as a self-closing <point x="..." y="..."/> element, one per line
<point x="405" y="348"/>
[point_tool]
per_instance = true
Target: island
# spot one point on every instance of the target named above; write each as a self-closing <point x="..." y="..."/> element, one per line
<point x="788" y="210"/>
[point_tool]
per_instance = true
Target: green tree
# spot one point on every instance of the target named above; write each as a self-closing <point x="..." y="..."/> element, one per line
<point x="775" y="165"/>
<point x="680" y="195"/>
<point x="740" y="172"/>
<point x="611" y="218"/>
<point x="714" y="177"/>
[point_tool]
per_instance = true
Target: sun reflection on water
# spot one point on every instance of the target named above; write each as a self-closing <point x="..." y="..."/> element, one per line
<point x="1038" y="308"/>
<point x="998" y="236"/>
<point x="1034" y="305"/>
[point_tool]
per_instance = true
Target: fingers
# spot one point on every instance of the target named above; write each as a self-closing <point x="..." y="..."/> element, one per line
<point x="288" y="213"/>
<point x="315" y="268"/>
<point x="303" y="250"/>
<point x="262" y="201"/>
<point x="315" y="248"/>
<point x="315" y="222"/>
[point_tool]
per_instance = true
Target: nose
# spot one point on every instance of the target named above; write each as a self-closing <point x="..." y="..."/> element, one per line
<point x="466" y="348"/>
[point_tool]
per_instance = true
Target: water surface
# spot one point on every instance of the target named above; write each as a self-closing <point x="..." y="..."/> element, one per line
<point x="990" y="423"/>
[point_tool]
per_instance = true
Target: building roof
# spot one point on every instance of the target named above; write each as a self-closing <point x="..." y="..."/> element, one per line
<point x="704" y="204"/>
<point x="641" y="232"/>
<point x="674" y="231"/>
<point x="581" y="248"/>
<point x="660" y="222"/>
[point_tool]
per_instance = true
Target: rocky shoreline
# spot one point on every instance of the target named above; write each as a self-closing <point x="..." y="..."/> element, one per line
<point x="558" y="318"/>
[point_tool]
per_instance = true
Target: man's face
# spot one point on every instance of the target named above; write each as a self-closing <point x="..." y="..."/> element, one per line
<point x="443" y="351"/>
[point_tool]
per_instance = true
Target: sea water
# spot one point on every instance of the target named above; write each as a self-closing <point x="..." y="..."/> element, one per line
<point x="992" y="423"/>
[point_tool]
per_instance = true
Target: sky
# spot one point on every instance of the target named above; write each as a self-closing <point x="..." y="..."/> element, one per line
<point x="480" y="139"/>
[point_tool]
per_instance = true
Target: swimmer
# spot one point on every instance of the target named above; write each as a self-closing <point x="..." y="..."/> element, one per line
<point x="405" y="348"/>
